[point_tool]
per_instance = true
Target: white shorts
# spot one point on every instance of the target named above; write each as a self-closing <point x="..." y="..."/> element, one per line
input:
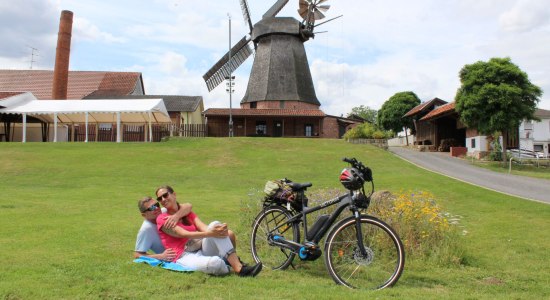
<point x="210" y="259"/>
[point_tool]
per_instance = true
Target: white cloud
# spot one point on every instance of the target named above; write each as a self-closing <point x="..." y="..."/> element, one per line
<point x="86" y="30"/>
<point x="26" y="24"/>
<point x="526" y="15"/>
<point x="173" y="64"/>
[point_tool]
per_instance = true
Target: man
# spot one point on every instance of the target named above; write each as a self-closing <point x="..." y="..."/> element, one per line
<point x="148" y="237"/>
<point x="217" y="249"/>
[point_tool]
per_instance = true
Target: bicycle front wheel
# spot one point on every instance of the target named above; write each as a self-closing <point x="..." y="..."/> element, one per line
<point x="379" y="267"/>
<point x="273" y="221"/>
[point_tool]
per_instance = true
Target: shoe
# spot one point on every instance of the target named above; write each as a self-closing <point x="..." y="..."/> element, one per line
<point x="250" y="271"/>
<point x="242" y="262"/>
<point x="228" y="264"/>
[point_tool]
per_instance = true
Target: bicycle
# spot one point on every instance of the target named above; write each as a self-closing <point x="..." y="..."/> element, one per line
<point x="360" y="251"/>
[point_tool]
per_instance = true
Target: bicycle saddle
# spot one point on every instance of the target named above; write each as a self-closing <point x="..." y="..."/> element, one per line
<point x="299" y="186"/>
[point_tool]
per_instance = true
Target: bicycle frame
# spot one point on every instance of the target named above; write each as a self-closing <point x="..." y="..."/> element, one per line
<point x="349" y="262"/>
<point x="344" y="201"/>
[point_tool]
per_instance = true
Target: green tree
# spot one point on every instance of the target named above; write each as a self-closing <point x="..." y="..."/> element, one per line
<point x="495" y="96"/>
<point x="365" y="112"/>
<point x="390" y="115"/>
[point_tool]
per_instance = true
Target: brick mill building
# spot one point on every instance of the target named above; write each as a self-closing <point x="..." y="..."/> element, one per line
<point x="268" y="119"/>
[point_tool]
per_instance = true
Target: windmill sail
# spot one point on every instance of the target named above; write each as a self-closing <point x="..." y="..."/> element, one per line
<point x="239" y="53"/>
<point x="246" y="14"/>
<point x="275" y="9"/>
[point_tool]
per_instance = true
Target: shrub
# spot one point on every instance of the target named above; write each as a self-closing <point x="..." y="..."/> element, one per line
<point x="367" y="131"/>
<point x="427" y="232"/>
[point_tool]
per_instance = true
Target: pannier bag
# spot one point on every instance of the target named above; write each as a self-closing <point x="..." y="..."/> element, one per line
<point x="280" y="192"/>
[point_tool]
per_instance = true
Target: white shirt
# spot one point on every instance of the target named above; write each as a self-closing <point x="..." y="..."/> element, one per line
<point x="148" y="238"/>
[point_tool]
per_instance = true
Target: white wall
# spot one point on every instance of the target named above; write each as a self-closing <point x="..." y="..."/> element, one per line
<point x="401" y="141"/>
<point x="480" y="144"/>
<point x="535" y="133"/>
<point x="541" y="130"/>
<point x="34" y="133"/>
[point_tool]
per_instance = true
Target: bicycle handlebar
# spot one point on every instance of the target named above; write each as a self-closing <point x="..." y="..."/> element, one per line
<point x="354" y="162"/>
<point x="367" y="173"/>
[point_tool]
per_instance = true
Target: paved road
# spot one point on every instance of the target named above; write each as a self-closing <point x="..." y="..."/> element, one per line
<point x="520" y="186"/>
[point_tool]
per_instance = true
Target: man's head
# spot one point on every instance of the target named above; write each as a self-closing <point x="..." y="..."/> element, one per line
<point x="149" y="209"/>
<point x="166" y="195"/>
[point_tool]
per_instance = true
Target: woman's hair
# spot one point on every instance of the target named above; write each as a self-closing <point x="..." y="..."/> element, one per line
<point x="185" y="220"/>
<point x="141" y="203"/>
<point x="166" y="187"/>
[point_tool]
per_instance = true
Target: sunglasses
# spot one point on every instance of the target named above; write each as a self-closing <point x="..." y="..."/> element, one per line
<point x="165" y="195"/>
<point x="152" y="207"/>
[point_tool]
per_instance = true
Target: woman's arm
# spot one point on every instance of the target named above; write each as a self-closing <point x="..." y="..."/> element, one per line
<point x="219" y="230"/>
<point x="182" y="233"/>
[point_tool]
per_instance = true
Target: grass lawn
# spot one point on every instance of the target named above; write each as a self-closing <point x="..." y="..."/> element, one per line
<point x="542" y="170"/>
<point x="69" y="218"/>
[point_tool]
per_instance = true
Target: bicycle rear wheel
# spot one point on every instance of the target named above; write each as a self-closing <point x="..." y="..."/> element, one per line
<point x="379" y="268"/>
<point x="263" y="249"/>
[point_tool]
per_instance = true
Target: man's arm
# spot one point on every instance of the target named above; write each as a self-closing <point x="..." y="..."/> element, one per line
<point x="184" y="210"/>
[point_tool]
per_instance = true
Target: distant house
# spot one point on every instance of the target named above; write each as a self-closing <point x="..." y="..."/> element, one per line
<point x="265" y="122"/>
<point x="185" y="112"/>
<point x="535" y="135"/>
<point x="84" y="85"/>
<point x="438" y="121"/>
<point x="80" y="83"/>
<point x="435" y="121"/>
<point x="447" y="129"/>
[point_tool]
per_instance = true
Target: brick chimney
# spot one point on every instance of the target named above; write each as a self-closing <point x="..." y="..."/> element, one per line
<point x="63" y="51"/>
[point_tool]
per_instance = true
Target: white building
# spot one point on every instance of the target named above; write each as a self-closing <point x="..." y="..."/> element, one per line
<point x="535" y="135"/>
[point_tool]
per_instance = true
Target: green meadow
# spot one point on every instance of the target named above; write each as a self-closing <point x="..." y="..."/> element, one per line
<point x="69" y="218"/>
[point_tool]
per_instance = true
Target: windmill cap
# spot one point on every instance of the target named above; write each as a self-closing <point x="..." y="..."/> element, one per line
<point x="280" y="25"/>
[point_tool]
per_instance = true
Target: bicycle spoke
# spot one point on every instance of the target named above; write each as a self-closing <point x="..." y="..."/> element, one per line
<point x="378" y="266"/>
<point x="273" y="221"/>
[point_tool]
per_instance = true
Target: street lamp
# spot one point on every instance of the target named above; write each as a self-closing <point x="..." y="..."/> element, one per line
<point x="230" y="83"/>
<point x="230" y="88"/>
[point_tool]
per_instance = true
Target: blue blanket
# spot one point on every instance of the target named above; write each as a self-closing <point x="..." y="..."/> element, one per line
<point x="163" y="264"/>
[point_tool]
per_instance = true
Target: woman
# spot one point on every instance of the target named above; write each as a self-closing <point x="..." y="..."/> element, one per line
<point x="216" y="248"/>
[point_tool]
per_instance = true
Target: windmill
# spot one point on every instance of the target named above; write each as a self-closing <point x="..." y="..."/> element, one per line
<point x="280" y="71"/>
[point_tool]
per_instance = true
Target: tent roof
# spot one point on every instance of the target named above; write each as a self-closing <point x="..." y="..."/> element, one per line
<point x="100" y="111"/>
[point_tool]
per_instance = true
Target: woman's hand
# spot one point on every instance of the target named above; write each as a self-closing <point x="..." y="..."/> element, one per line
<point x="219" y="230"/>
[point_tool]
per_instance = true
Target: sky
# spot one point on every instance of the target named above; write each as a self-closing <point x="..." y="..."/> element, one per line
<point x="378" y="48"/>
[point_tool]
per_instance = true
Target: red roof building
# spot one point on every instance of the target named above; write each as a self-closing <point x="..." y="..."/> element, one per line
<point x="274" y="122"/>
<point x="80" y="83"/>
<point x="437" y="125"/>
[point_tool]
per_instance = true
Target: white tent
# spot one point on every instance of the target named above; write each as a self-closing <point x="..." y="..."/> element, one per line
<point x="86" y="111"/>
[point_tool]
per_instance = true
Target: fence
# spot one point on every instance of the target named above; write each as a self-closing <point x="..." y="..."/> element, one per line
<point x="381" y="143"/>
<point x="135" y="132"/>
<point x="190" y="130"/>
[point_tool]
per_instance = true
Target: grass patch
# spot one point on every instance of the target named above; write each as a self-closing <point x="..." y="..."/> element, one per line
<point x="533" y="169"/>
<point x="69" y="219"/>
